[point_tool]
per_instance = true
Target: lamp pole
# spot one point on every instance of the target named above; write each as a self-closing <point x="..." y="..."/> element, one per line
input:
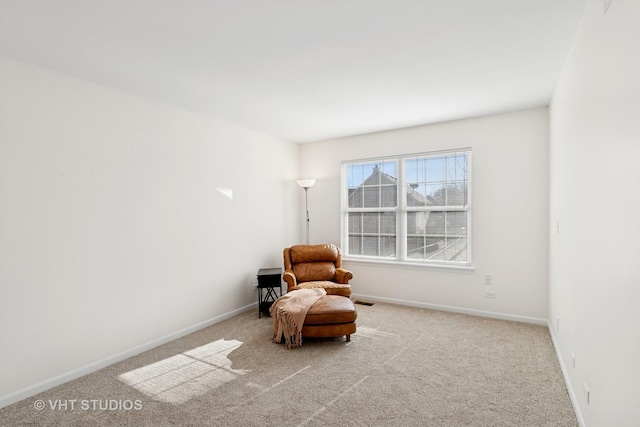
<point x="306" y="184"/>
<point x="306" y="203"/>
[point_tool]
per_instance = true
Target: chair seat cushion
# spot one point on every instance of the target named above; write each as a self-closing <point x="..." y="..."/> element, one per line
<point x="332" y="288"/>
<point x="331" y="309"/>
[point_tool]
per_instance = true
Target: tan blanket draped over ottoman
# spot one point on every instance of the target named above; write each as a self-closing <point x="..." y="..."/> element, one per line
<point x="288" y="314"/>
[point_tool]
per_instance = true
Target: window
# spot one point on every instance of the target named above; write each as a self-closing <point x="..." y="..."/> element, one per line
<point x="413" y="209"/>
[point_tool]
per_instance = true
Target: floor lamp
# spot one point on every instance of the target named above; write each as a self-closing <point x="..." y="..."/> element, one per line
<point x="306" y="184"/>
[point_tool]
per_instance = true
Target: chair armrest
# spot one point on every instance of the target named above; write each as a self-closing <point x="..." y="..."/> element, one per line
<point x="343" y="276"/>
<point x="290" y="278"/>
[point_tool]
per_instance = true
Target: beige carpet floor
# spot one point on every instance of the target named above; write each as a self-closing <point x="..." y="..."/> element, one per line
<point x="404" y="367"/>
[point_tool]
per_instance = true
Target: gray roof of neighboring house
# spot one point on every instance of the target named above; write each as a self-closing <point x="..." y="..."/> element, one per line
<point x="378" y="177"/>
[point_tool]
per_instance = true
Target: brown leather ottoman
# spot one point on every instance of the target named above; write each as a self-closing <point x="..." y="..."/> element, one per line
<point x="330" y="316"/>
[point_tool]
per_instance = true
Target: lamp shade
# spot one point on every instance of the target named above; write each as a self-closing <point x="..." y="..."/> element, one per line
<point x="306" y="182"/>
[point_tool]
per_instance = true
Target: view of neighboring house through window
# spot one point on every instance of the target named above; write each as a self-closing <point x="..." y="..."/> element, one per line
<point x="408" y="208"/>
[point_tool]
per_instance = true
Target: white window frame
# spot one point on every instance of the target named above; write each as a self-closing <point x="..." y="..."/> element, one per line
<point x="401" y="209"/>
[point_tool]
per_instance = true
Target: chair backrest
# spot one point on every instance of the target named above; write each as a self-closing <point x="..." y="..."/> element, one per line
<point x="313" y="262"/>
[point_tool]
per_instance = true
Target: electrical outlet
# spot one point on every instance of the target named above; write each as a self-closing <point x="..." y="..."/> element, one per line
<point x="489" y="294"/>
<point x="557" y="323"/>
<point x="488" y="280"/>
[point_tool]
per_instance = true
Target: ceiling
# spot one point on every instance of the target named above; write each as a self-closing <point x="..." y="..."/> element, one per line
<point x="306" y="70"/>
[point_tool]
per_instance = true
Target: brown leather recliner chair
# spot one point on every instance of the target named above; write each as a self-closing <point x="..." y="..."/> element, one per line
<point x="316" y="266"/>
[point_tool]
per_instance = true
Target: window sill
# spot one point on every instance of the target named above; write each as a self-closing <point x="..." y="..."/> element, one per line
<point x="410" y="265"/>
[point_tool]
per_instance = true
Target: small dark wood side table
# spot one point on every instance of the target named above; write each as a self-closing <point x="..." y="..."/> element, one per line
<point x="268" y="280"/>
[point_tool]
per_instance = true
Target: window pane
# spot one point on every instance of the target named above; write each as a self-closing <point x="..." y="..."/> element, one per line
<point x="370" y="246"/>
<point x="425" y="247"/>
<point x="443" y="240"/>
<point x="389" y="168"/>
<point x="355" y="222"/>
<point x="411" y="170"/>
<point x="435" y="168"/>
<point x="457" y="194"/>
<point x="355" y="245"/>
<point x="437" y="181"/>
<point x="355" y="198"/>
<point x="372" y="233"/>
<point x="370" y="222"/>
<point x="416" y="195"/>
<point x="417" y="222"/>
<point x="436" y="194"/>
<point x="457" y="167"/>
<point x="456" y="250"/>
<point x="435" y="224"/>
<point x="457" y="224"/>
<point x="415" y="247"/>
<point x="371" y="196"/>
<point x="372" y="185"/>
<point x="388" y="246"/>
<point x="388" y="223"/>
<point x="384" y="246"/>
<point x="411" y="222"/>
<point x="389" y="196"/>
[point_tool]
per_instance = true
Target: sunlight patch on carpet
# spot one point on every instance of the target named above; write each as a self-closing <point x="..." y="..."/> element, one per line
<point x="184" y="376"/>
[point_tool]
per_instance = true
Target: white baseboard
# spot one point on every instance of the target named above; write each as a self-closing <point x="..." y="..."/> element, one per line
<point x="481" y="313"/>
<point x="34" y="389"/>
<point x="565" y="375"/>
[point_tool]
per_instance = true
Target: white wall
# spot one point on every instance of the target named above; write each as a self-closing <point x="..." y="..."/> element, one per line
<point x="510" y="213"/>
<point x="595" y="178"/>
<point x="112" y="232"/>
